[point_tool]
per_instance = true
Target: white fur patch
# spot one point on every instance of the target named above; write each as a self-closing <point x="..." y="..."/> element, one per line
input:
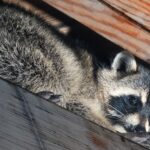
<point x="124" y="91"/>
<point x="144" y="95"/>
<point x="147" y="126"/>
<point x="133" y="119"/>
<point x="119" y="129"/>
<point x="112" y="112"/>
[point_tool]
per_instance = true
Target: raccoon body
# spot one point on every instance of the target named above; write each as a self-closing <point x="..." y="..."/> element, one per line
<point x="34" y="57"/>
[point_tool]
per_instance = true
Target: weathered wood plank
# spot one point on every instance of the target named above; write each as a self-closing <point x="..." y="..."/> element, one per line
<point x="29" y="122"/>
<point x="136" y="9"/>
<point x="109" y="23"/>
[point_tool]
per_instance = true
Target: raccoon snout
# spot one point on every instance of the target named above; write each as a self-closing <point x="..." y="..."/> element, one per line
<point x="139" y="128"/>
<point x="135" y="129"/>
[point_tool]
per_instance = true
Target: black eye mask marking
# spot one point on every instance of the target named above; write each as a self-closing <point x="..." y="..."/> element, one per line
<point x="126" y="104"/>
<point x="123" y="105"/>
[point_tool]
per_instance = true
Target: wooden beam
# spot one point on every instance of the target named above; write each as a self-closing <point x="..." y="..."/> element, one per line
<point x="138" y="10"/>
<point x="30" y="122"/>
<point x="129" y="30"/>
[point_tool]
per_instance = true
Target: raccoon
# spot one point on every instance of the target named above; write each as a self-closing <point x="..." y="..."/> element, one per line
<point x="34" y="57"/>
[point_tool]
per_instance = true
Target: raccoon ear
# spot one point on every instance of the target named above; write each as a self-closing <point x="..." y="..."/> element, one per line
<point x="124" y="63"/>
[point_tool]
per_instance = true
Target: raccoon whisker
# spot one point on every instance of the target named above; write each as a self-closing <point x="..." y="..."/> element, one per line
<point x="117" y="119"/>
<point x="116" y="110"/>
<point x="125" y="110"/>
<point x="119" y="116"/>
<point x="113" y="116"/>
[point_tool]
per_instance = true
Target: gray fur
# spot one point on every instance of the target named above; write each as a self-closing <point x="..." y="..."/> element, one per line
<point x="34" y="57"/>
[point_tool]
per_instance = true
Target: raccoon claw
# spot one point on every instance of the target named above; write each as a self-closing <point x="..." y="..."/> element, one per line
<point x="50" y="96"/>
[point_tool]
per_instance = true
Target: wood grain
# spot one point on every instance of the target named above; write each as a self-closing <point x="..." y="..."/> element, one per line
<point x="138" y="10"/>
<point x="109" y="23"/>
<point x="29" y="122"/>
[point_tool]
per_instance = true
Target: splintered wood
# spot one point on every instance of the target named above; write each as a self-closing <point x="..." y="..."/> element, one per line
<point x="126" y="23"/>
<point x="29" y="122"/>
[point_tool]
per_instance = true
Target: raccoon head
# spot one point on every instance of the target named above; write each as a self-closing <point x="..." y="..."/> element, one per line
<point x="126" y="98"/>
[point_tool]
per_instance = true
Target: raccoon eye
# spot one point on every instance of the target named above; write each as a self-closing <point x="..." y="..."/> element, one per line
<point x="126" y="104"/>
<point x="132" y="100"/>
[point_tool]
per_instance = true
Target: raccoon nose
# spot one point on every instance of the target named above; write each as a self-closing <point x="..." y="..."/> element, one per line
<point x="139" y="128"/>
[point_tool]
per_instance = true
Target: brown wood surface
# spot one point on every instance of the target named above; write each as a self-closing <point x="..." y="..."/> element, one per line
<point x="138" y="10"/>
<point x="123" y="29"/>
<point x="28" y="122"/>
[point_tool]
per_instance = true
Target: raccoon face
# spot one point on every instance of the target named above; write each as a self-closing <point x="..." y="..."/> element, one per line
<point x="126" y="113"/>
<point x="127" y="107"/>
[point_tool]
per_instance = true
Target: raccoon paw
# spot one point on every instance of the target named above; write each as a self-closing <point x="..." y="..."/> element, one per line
<point x="50" y="96"/>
